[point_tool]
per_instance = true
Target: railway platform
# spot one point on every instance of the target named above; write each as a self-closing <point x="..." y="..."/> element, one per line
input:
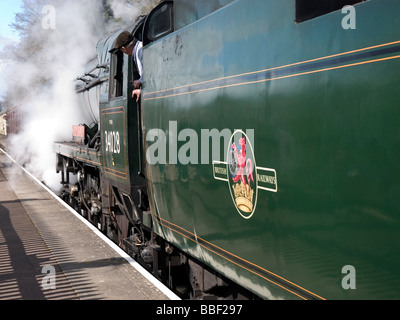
<point x="49" y="253"/>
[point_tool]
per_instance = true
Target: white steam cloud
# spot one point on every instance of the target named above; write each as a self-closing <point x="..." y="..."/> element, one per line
<point x="67" y="35"/>
<point x="126" y="10"/>
<point x="50" y="111"/>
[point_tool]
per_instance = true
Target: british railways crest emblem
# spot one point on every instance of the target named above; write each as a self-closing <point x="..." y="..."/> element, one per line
<point x="243" y="176"/>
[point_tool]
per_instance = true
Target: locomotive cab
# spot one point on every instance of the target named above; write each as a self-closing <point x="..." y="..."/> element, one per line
<point x="111" y="187"/>
<point x="120" y="122"/>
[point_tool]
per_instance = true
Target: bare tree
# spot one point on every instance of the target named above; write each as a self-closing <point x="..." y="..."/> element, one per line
<point x="34" y="54"/>
<point x="29" y="17"/>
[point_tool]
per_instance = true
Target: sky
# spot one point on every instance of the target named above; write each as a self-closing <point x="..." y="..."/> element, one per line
<point x="8" y="9"/>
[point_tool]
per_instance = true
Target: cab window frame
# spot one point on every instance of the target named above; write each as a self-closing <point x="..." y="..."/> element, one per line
<point x="116" y="75"/>
<point x="311" y="9"/>
<point x="162" y="15"/>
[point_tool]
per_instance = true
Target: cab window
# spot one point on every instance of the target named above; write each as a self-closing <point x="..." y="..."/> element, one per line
<point x="310" y="9"/>
<point x="159" y="23"/>
<point x="116" y="75"/>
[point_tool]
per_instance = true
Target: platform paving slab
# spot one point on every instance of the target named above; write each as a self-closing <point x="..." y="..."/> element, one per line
<point x="36" y="231"/>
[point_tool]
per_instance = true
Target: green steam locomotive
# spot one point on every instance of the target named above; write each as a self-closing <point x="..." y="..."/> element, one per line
<point x="261" y="161"/>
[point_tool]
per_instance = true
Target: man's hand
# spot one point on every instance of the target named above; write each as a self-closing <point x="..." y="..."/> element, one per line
<point x="137" y="93"/>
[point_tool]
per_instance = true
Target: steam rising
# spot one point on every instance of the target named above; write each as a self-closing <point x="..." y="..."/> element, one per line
<point x="47" y="77"/>
<point x="124" y="10"/>
<point x="52" y="108"/>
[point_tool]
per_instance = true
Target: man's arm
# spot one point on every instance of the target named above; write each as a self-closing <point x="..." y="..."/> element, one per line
<point x="137" y="93"/>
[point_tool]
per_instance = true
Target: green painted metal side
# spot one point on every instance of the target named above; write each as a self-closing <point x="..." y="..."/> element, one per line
<point x="114" y="124"/>
<point x="325" y="120"/>
<point x="119" y="123"/>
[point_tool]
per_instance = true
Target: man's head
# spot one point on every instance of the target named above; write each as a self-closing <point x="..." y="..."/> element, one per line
<point x="125" y="43"/>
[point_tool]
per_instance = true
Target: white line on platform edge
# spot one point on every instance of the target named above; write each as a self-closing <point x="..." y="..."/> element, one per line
<point x="159" y="285"/>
